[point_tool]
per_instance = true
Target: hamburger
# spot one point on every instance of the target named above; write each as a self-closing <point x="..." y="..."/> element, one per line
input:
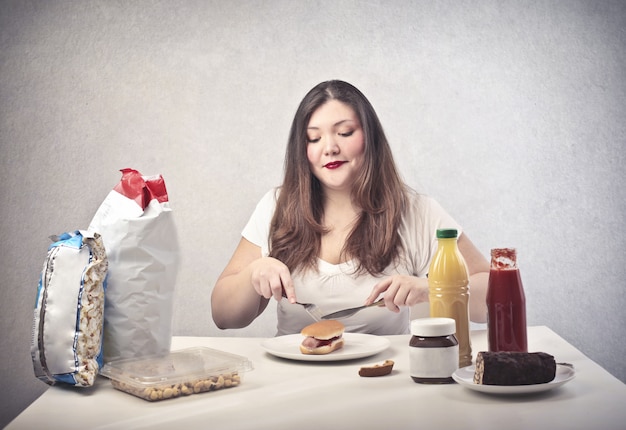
<point x="322" y="337"/>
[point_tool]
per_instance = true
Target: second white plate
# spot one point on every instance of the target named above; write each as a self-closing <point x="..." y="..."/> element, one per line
<point x="356" y="345"/>
<point x="465" y="377"/>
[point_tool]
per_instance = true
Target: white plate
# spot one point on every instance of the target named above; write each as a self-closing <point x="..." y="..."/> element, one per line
<point x="356" y="345"/>
<point x="465" y="377"/>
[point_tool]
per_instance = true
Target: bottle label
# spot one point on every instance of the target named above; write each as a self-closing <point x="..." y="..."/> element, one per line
<point x="433" y="362"/>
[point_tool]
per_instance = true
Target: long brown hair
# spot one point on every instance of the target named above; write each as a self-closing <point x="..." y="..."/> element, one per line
<point x="296" y="229"/>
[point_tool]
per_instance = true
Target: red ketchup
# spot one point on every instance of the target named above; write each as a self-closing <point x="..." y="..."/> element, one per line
<point x="506" y="303"/>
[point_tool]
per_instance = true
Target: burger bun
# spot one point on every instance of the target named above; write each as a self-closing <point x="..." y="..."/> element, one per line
<point x="324" y="330"/>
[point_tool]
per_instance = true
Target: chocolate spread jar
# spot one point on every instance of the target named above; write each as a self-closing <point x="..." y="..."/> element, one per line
<point x="433" y="350"/>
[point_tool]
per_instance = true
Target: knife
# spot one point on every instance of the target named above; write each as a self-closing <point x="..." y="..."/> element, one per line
<point x="351" y="311"/>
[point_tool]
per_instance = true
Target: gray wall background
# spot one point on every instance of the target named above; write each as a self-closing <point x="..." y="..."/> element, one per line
<point x="510" y="113"/>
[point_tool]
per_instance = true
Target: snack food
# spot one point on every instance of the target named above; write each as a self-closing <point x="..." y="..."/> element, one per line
<point x="322" y="337"/>
<point x="69" y="310"/>
<point x="377" y="369"/>
<point x="514" y="368"/>
<point x="178" y="373"/>
<point x="171" y="391"/>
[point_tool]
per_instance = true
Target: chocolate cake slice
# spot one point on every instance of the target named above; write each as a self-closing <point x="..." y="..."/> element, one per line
<point x="514" y="368"/>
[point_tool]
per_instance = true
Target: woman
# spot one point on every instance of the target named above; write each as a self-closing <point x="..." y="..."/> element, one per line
<point x="342" y="230"/>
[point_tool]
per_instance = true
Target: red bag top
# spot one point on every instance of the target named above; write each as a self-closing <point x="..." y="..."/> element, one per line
<point x="141" y="189"/>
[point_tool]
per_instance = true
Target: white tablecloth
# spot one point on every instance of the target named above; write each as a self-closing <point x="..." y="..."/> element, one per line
<point x="287" y="394"/>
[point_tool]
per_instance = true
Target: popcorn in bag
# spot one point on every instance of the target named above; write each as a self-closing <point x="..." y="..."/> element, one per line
<point x="138" y="231"/>
<point x="69" y="311"/>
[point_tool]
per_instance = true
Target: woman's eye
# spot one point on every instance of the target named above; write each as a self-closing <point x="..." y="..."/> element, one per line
<point x="347" y="133"/>
<point x="313" y="140"/>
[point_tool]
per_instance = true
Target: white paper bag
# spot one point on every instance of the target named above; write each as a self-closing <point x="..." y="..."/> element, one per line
<point x="137" y="227"/>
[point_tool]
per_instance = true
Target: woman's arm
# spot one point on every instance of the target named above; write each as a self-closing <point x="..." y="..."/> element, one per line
<point x="478" y="268"/>
<point x="404" y="290"/>
<point x="234" y="303"/>
<point x="244" y="288"/>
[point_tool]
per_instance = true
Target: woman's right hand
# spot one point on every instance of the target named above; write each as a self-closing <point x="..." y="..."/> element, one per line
<point x="271" y="278"/>
<point x="233" y="303"/>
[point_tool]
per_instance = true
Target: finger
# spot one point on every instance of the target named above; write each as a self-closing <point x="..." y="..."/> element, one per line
<point x="401" y="297"/>
<point x="265" y="289"/>
<point x="276" y="287"/>
<point x="377" y="290"/>
<point x="392" y="296"/>
<point x="417" y="296"/>
<point x="288" y="289"/>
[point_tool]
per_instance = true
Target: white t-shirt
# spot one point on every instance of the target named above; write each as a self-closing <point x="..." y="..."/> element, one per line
<point x="335" y="286"/>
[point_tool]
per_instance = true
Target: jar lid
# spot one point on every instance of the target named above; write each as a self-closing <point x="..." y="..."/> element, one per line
<point x="447" y="233"/>
<point x="432" y="327"/>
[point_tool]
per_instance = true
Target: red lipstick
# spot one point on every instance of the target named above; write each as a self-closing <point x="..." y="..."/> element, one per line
<point x="334" y="164"/>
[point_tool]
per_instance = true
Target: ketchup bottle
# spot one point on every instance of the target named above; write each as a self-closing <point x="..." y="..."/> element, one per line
<point x="506" y="303"/>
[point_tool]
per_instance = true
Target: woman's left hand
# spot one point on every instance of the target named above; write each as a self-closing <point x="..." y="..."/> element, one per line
<point x="400" y="290"/>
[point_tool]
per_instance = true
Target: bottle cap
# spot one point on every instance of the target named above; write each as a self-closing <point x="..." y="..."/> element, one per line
<point x="446" y="233"/>
<point x="433" y="327"/>
<point x="503" y="258"/>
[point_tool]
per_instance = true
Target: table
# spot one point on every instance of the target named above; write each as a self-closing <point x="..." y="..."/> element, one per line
<point x="286" y="394"/>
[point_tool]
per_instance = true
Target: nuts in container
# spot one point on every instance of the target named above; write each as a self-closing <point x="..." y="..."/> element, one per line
<point x="178" y="373"/>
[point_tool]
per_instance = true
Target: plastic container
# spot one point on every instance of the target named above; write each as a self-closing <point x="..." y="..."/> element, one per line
<point x="178" y="373"/>
<point x="448" y="290"/>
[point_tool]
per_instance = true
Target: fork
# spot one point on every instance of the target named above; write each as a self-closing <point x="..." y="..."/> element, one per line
<point x="312" y="309"/>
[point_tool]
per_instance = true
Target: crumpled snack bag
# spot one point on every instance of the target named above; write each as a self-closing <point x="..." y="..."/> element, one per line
<point x="138" y="231"/>
<point x="69" y="311"/>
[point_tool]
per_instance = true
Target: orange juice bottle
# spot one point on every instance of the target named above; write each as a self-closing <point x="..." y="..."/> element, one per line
<point x="448" y="289"/>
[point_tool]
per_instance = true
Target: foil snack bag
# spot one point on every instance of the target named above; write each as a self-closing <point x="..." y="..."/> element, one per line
<point x="138" y="231"/>
<point x="69" y="311"/>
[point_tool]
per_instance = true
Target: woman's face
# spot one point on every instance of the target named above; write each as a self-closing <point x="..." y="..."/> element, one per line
<point x="335" y="145"/>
